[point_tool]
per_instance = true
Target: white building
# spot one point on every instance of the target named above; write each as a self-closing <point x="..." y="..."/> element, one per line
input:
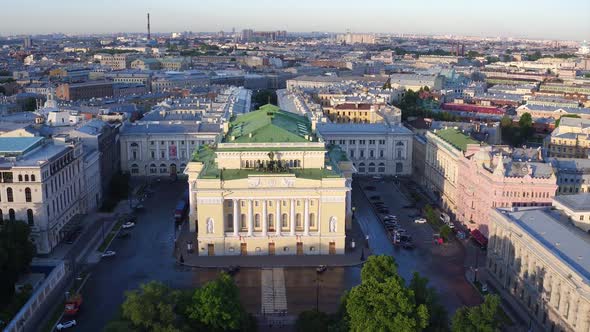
<point x="41" y="183"/>
<point x="543" y="264"/>
<point x="576" y="207"/>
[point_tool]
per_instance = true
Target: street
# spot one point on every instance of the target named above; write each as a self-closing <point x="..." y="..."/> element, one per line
<point x="442" y="265"/>
<point x="147" y="255"/>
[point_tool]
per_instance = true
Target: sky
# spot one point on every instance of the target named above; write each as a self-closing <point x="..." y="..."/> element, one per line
<point x="540" y="19"/>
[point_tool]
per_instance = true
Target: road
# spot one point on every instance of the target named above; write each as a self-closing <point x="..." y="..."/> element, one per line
<point x="147" y="255"/>
<point x="442" y="265"/>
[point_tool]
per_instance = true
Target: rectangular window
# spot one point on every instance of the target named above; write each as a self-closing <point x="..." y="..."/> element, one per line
<point x="352" y="141"/>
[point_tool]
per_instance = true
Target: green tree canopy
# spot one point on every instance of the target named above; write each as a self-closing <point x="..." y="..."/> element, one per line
<point x="380" y="268"/>
<point x="506" y="121"/>
<point x="526" y="120"/>
<point x="312" y="320"/>
<point x="438" y="319"/>
<point x="16" y="253"/>
<point x="385" y="306"/>
<point x="484" y="318"/>
<point x="153" y="307"/>
<point x="217" y="305"/>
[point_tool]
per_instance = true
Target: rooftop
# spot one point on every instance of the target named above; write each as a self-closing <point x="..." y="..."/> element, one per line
<point x="565" y="242"/>
<point x="456" y="138"/>
<point x="269" y="124"/>
<point x="577" y="202"/>
<point x="18" y="145"/>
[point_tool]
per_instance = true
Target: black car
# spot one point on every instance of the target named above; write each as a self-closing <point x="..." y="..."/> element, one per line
<point x="375" y="198"/>
<point x="232" y="269"/>
<point x="370" y="188"/>
<point x="124" y="235"/>
<point x="407" y="245"/>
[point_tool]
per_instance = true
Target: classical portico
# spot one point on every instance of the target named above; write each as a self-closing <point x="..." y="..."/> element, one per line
<point x="271" y="187"/>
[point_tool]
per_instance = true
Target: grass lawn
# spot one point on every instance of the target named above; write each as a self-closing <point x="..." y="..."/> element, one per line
<point x="107" y="241"/>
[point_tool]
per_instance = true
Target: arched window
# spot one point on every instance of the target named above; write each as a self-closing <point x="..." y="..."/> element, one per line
<point x="20" y="178"/>
<point x="257" y="220"/>
<point x="27" y="177"/>
<point x="33" y="177"/>
<point x="371" y="167"/>
<point x="298" y="222"/>
<point x="28" y="196"/>
<point x="381" y="168"/>
<point x="163" y="168"/>
<point x="134" y="145"/>
<point x="153" y="169"/>
<point x="271" y="222"/>
<point x="284" y="221"/>
<point x="361" y="167"/>
<point x="30" y="219"/>
<point x="134" y="169"/>
<point x="312" y="220"/>
<point x="9" y="195"/>
<point x="11" y="215"/>
<point x="243" y="221"/>
<point x="229" y="222"/>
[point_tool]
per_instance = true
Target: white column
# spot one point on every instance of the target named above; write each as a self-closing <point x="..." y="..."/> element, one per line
<point x="167" y="150"/>
<point x="292" y="221"/>
<point x="306" y="217"/>
<point x="250" y="218"/>
<point x="264" y="218"/>
<point x="235" y="203"/>
<point x="278" y="218"/>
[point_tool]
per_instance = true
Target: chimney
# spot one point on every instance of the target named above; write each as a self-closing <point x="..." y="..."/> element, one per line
<point x="149" y="37"/>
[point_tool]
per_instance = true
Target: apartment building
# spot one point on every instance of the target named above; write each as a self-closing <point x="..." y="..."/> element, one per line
<point x="570" y="140"/>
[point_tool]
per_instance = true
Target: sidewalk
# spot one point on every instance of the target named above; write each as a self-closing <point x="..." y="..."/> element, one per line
<point x="352" y="257"/>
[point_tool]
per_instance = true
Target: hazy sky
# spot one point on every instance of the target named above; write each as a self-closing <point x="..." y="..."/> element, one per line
<point x="557" y="19"/>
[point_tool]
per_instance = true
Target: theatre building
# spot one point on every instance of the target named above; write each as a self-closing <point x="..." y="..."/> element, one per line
<point x="271" y="186"/>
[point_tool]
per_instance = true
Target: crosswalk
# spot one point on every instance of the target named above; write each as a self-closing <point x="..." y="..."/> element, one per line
<point x="273" y="293"/>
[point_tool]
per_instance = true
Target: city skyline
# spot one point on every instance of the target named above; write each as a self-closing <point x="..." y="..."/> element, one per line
<point x="524" y="19"/>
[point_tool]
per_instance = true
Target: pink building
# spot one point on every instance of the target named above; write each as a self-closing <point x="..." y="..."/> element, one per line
<point x="498" y="176"/>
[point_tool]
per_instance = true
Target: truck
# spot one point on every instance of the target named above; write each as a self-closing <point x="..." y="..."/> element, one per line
<point x="73" y="303"/>
<point x="181" y="207"/>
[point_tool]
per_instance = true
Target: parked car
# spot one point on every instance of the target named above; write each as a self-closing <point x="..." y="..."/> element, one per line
<point x="321" y="269"/>
<point x="377" y="177"/>
<point x="407" y="245"/>
<point x="232" y="269"/>
<point x="65" y="325"/>
<point x="123" y="235"/>
<point x="375" y="198"/>
<point x="128" y="224"/>
<point x="420" y="221"/>
<point x="392" y="216"/>
<point x="409" y="206"/>
<point x="108" y="253"/>
<point x="484" y="287"/>
<point x="370" y="188"/>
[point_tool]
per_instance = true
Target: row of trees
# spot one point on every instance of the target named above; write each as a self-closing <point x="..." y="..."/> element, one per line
<point x="383" y="302"/>
<point x="156" y="307"/>
<point x="16" y="253"/>
<point x="412" y="105"/>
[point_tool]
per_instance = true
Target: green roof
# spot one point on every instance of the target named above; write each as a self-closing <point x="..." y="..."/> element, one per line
<point x="456" y="138"/>
<point x="267" y="125"/>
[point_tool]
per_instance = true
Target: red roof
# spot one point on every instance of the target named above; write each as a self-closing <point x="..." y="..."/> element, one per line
<point x="472" y="108"/>
<point x="479" y="238"/>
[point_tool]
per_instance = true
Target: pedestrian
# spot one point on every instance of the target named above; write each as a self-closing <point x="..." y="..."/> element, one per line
<point x="181" y="259"/>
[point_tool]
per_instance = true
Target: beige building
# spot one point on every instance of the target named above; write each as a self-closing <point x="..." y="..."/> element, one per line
<point x="444" y="150"/>
<point x="570" y="140"/>
<point x="543" y="264"/>
<point x="270" y="187"/>
<point x="117" y="61"/>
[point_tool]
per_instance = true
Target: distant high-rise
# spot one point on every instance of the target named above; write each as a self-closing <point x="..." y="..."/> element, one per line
<point x="149" y="37"/>
<point x="27" y="42"/>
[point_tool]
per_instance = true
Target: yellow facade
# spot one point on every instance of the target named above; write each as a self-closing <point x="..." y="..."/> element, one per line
<point x="241" y="205"/>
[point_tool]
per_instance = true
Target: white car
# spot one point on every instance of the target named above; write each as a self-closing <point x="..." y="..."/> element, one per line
<point x="108" y="253"/>
<point x="420" y="221"/>
<point x="128" y="224"/>
<point x="65" y="325"/>
<point x="391" y="216"/>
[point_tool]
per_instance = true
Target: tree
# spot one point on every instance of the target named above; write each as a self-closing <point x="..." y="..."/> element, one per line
<point x="16" y="253"/>
<point x="385" y="306"/>
<point x="380" y="268"/>
<point x="445" y="232"/>
<point x="217" y="305"/>
<point x="438" y="319"/>
<point x="430" y="214"/>
<point x="484" y="317"/>
<point x="526" y="126"/>
<point x="153" y="307"/>
<point x="506" y="121"/>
